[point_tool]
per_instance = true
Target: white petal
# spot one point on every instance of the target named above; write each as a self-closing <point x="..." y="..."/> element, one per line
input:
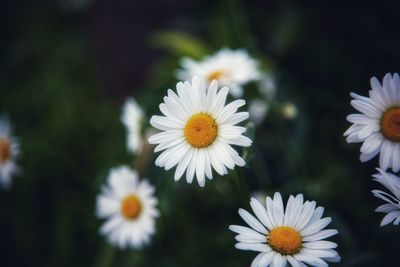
<point x="252" y="222"/>
<point x="261" y="213"/>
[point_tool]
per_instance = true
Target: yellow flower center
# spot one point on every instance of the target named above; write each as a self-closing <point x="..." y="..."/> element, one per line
<point x="5" y="150"/>
<point x="284" y="240"/>
<point x="215" y="75"/>
<point x="131" y="207"/>
<point x="390" y="124"/>
<point x="201" y="130"/>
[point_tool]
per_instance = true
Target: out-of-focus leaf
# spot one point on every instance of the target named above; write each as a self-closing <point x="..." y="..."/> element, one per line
<point x="179" y="43"/>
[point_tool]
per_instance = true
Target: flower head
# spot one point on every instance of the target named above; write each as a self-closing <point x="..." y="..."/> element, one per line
<point x="378" y="125"/>
<point x="258" y="110"/>
<point x="392" y="197"/>
<point x="129" y="206"/>
<point x="9" y="152"/>
<point x="232" y="68"/>
<point x="198" y="131"/>
<point x="132" y="116"/>
<point x="293" y="235"/>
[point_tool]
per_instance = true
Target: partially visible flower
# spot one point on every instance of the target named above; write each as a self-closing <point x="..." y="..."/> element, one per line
<point x="9" y="152"/>
<point x="258" y="110"/>
<point x="378" y="124"/>
<point x="132" y="117"/>
<point x="267" y="87"/>
<point x="289" y="111"/>
<point x="231" y="68"/>
<point x="198" y="131"/>
<point x="129" y="205"/>
<point x="293" y="236"/>
<point x="392" y="197"/>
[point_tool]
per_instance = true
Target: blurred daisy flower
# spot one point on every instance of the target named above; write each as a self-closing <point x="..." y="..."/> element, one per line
<point x="258" y="109"/>
<point x="9" y="151"/>
<point x="132" y="117"/>
<point x="198" y="131"/>
<point x="392" y="207"/>
<point x="267" y="86"/>
<point x="294" y="235"/>
<point x="129" y="205"/>
<point x="378" y="125"/>
<point x="232" y="68"/>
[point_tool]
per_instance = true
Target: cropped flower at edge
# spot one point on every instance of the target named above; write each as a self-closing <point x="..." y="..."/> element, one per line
<point x="132" y="116"/>
<point x="378" y="125"/>
<point x="392" y="207"/>
<point x="198" y="131"/>
<point x="231" y="68"/>
<point x="129" y="205"/>
<point x="293" y="235"/>
<point x="9" y="152"/>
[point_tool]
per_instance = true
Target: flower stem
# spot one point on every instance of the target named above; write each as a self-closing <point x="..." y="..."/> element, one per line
<point x="106" y="256"/>
<point x="242" y="189"/>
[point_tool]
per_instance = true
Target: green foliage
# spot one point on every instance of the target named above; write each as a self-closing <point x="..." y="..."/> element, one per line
<point x="71" y="134"/>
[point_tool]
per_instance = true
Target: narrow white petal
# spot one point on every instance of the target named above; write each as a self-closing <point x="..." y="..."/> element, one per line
<point x="252" y="222"/>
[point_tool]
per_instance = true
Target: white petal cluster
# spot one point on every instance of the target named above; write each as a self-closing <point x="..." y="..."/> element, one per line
<point x="120" y="231"/>
<point x="193" y="99"/>
<point x="235" y="68"/>
<point x="392" y="197"/>
<point x="132" y="117"/>
<point x="303" y="217"/>
<point x="366" y="126"/>
<point x="8" y="166"/>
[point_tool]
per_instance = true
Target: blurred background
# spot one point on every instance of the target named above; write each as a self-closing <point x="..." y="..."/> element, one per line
<point x="66" y="67"/>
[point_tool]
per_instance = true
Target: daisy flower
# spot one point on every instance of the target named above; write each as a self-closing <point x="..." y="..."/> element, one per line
<point x="132" y="117"/>
<point x="129" y="205"/>
<point x="9" y="151"/>
<point x="392" y="207"/>
<point x="294" y="235"/>
<point x="198" y="131"/>
<point x="232" y="68"/>
<point x="378" y="125"/>
<point x="258" y="109"/>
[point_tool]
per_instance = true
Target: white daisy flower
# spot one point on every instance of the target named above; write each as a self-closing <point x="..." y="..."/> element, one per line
<point x="294" y="235"/>
<point x="378" y="125"/>
<point x="129" y="205"/>
<point x="392" y="207"/>
<point x="132" y="117"/>
<point x="232" y="68"/>
<point x="9" y="152"/>
<point x="198" y="131"/>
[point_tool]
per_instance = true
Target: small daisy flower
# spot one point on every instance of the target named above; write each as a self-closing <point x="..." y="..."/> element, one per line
<point x="9" y="151"/>
<point x="392" y="207"/>
<point x="258" y="109"/>
<point x="294" y="235"/>
<point x="132" y="117"/>
<point x="378" y="125"/>
<point x="129" y="205"/>
<point x="198" y="131"/>
<point x="267" y="86"/>
<point x="232" y="68"/>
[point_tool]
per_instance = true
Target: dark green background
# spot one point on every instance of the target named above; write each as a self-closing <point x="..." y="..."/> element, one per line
<point x="65" y="70"/>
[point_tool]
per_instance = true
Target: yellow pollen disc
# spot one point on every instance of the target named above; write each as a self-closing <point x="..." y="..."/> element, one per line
<point x="5" y="150"/>
<point x="284" y="240"/>
<point x="390" y="124"/>
<point x="131" y="207"/>
<point x="201" y="130"/>
<point x="215" y="75"/>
